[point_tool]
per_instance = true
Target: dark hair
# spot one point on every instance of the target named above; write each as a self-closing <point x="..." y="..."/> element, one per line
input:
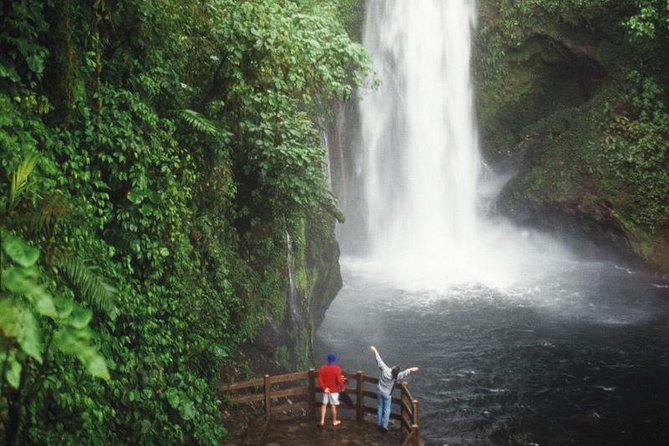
<point x="395" y="371"/>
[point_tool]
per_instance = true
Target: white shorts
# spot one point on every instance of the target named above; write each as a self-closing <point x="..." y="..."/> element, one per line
<point x="332" y="398"/>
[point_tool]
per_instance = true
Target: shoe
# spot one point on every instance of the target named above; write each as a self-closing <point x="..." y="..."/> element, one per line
<point x="384" y="430"/>
<point x="336" y="423"/>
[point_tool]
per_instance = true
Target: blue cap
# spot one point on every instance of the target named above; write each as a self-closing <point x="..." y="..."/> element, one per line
<point x="332" y="358"/>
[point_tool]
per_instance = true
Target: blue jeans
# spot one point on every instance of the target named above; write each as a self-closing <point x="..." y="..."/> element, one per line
<point x="383" y="409"/>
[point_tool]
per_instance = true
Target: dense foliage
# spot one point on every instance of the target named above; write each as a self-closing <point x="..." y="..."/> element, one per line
<point x="578" y="90"/>
<point x="157" y="153"/>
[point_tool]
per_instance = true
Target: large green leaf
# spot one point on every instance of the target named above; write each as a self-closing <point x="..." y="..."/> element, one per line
<point x="220" y="351"/>
<point x="64" y="306"/>
<point x="72" y="341"/>
<point x="16" y="321"/>
<point x="77" y="342"/>
<point x="173" y="397"/>
<point x="136" y="195"/>
<point x="187" y="410"/>
<point x="43" y="302"/>
<point x="13" y="372"/>
<point x="9" y="72"/>
<point x="80" y="317"/>
<point x="20" y="280"/>
<point x="96" y="365"/>
<point x="20" y="252"/>
<point x="29" y="336"/>
<point x="8" y="317"/>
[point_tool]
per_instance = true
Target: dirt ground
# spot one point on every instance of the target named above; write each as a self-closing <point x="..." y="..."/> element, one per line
<point x="306" y="432"/>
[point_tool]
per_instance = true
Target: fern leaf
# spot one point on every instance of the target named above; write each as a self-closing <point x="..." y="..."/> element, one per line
<point x="20" y="179"/>
<point x="43" y="220"/>
<point x="199" y="122"/>
<point x="92" y="286"/>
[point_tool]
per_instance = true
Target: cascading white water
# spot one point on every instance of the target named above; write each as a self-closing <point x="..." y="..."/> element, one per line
<point x="422" y="164"/>
<point x="418" y="129"/>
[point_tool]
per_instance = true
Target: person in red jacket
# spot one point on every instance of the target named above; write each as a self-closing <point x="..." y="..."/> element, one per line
<point x="332" y="382"/>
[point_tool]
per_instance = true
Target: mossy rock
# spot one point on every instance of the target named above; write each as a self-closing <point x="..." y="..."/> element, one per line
<point x="552" y="116"/>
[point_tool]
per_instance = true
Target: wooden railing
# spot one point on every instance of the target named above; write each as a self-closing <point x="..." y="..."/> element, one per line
<point x="295" y="393"/>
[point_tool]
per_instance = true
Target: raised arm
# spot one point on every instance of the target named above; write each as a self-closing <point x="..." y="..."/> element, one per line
<point x="403" y="374"/>
<point x="382" y="365"/>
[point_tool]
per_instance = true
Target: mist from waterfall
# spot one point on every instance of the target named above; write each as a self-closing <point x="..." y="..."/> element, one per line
<point x="423" y="188"/>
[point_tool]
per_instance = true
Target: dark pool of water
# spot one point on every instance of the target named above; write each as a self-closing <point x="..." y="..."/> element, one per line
<point x="580" y="359"/>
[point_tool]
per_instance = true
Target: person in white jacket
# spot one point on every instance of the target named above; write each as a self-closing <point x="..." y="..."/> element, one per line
<point x="384" y="390"/>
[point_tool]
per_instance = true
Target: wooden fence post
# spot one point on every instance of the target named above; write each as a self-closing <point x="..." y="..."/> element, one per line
<point x="359" y="397"/>
<point x="415" y="428"/>
<point x="268" y="400"/>
<point x="403" y="411"/>
<point x="312" y="394"/>
<point x="403" y="390"/>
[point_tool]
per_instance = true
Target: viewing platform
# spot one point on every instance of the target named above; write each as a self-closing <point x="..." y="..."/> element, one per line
<point x="283" y="409"/>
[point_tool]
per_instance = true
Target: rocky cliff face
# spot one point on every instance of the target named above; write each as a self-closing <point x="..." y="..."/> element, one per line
<point x="553" y="110"/>
<point x="313" y="279"/>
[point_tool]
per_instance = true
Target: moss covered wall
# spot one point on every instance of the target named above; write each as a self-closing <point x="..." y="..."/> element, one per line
<point x="312" y="262"/>
<point x="568" y="101"/>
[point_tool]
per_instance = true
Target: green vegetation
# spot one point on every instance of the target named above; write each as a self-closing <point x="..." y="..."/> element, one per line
<point x="578" y="92"/>
<point x="156" y="154"/>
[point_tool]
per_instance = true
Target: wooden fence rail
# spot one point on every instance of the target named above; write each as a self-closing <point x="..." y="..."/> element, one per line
<point x="295" y="393"/>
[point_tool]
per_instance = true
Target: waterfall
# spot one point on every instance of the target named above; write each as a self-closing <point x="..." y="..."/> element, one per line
<point x="419" y="132"/>
<point x="421" y="166"/>
<point x="293" y="294"/>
